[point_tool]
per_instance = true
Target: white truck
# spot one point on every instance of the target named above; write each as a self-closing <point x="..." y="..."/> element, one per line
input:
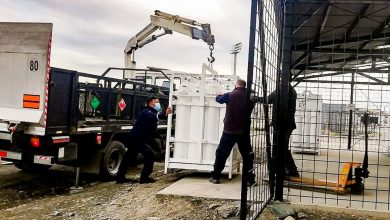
<point x="49" y="115"/>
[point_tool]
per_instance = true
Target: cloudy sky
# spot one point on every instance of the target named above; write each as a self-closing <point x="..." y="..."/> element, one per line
<point x="90" y="35"/>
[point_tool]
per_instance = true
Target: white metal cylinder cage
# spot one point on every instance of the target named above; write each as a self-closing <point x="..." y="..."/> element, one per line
<point x="308" y="118"/>
<point x="193" y="136"/>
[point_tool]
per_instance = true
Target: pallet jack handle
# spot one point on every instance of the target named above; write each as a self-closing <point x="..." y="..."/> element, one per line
<point x="364" y="171"/>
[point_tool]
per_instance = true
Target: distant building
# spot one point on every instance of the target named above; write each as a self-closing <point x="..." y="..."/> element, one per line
<point x="335" y="117"/>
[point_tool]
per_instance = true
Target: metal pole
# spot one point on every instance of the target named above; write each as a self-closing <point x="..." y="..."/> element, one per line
<point x="350" y="113"/>
<point x="76" y="188"/>
<point x="235" y="50"/>
<point x="251" y="54"/>
<point x="77" y="177"/>
<point x="285" y="61"/>
<point x="235" y="64"/>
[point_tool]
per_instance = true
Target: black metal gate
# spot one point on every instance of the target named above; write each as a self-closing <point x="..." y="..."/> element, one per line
<point x="337" y="55"/>
<point x="340" y="62"/>
<point x="264" y="64"/>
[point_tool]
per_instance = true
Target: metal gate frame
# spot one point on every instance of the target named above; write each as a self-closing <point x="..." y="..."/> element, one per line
<point x="272" y="73"/>
<point x="340" y="55"/>
<point x="264" y="77"/>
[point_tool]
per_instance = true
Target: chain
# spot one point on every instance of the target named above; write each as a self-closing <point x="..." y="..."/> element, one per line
<point x="211" y="59"/>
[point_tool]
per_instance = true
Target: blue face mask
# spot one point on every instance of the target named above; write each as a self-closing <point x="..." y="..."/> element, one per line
<point x="157" y="106"/>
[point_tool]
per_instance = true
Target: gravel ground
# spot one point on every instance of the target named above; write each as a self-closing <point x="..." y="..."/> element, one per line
<point x="48" y="196"/>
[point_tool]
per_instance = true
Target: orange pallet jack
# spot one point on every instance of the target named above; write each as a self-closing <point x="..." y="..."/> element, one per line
<point x="350" y="178"/>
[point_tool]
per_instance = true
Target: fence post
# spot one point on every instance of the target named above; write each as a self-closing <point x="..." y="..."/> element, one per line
<point x="285" y="61"/>
<point x="251" y="55"/>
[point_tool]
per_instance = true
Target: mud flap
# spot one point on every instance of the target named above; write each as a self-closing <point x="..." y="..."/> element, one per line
<point x="68" y="152"/>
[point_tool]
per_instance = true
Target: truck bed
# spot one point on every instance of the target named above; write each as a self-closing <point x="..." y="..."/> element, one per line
<point x="81" y="102"/>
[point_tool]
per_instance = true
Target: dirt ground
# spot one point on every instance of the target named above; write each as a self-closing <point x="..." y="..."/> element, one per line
<point x="48" y="196"/>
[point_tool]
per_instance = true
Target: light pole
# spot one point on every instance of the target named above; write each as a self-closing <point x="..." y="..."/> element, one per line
<point x="235" y="50"/>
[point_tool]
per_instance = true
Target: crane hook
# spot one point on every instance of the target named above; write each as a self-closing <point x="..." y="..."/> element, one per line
<point x="212" y="58"/>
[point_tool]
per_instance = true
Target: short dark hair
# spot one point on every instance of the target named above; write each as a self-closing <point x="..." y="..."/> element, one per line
<point x="150" y="99"/>
<point x="241" y="82"/>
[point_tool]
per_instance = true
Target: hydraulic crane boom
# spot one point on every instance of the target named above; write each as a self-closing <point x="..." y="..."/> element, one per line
<point x="168" y="23"/>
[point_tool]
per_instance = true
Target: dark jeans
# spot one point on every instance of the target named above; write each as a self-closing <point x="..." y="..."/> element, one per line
<point x="137" y="147"/>
<point x="225" y="147"/>
<point x="290" y="166"/>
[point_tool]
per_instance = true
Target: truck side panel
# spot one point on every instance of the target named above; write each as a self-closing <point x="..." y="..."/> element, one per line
<point x="24" y="54"/>
<point x="23" y="92"/>
<point x="60" y="104"/>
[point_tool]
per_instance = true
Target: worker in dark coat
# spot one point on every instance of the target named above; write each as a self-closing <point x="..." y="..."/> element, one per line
<point x="143" y="132"/>
<point x="289" y="125"/>
<point x="236" y="130"/>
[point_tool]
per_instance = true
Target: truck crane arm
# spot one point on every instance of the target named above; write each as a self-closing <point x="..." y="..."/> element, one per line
<point x="169" y="23"/>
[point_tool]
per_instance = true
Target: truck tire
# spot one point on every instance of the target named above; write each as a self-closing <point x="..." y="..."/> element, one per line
<point x="31" y="167"/>
<point x="113" y="157"/>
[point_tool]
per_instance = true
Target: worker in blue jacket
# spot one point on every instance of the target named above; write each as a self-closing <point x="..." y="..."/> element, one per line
<point x="143" y="132"/>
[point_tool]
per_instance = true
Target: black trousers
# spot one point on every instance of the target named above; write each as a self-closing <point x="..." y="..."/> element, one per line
<point x="146" y="151"/>
<point x="290" y="163"/>
<point x="225" y="147"/>
<point x="290" y="166"/>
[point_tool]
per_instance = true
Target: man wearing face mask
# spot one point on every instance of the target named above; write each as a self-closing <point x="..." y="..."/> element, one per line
<point x="143" y="132"/>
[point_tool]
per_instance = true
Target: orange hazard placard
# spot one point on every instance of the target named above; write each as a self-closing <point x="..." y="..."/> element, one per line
<point x="31" y="101"/>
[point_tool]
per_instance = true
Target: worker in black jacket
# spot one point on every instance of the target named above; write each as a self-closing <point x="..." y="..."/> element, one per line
<point x="289" y="125"/>
<point x="236" y="130"/>
<point x="143" y="132"/>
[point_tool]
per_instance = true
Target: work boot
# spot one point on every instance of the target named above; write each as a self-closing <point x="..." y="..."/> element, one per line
<point x="146" y="180"/>
<point x="214" y="180"/>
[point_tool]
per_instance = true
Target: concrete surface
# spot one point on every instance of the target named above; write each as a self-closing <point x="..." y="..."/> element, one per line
<point x="198" y="185"/>
<point x="324" y="166"/>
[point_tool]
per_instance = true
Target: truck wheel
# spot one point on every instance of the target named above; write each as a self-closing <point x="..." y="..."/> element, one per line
<point x="112" y="159"/>
<point x="31" y="167"/>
